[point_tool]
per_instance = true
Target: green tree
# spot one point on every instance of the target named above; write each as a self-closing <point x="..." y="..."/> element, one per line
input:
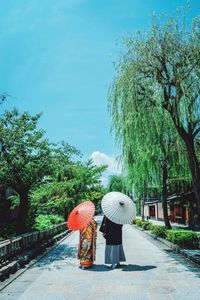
<point x="117" y="183"/>
<point x="151" y="153"/>
<point x="160" y="69"/>
<point x="74" y="183"/>
<point x="26" y="158"/>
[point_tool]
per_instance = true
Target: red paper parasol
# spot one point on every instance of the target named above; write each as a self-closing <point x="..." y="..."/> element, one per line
<point x="81" y="215"/>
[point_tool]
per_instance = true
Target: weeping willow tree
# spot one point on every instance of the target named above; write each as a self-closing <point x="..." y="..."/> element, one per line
<point x="117" y="183"/>
<point x="152" y="152"/>
<point x="159" y="73"/>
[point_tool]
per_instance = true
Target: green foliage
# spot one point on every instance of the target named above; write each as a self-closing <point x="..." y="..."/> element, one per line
<point x="117" y="183"/>
<point x="146" y="225"/>
<point x="77" y="182"/>
<point x="146" y="122"/>
<point x="45" y="178"/>
<point x="46" y="221"/>
<point x="137" y="222"/>
<point x="183" y="238"/>
<point x="26" y="159"/>
<point x="159" y="231"/>
<point x="138" y="204"/>
<point x="27" y="155"/>
<point x="15" y="201"/>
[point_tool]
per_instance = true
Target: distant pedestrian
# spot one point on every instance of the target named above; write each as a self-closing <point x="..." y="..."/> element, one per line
<point x="87" y="245"/>
<point x="112" y="232"/>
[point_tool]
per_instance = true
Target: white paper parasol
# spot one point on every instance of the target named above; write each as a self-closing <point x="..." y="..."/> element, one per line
<point x="118" y="208"/>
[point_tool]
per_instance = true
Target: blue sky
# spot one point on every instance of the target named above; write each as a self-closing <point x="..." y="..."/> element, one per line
<point x="57" y="58"/>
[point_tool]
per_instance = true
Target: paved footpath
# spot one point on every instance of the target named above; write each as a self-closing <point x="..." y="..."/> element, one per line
<point x="151" y="272"/>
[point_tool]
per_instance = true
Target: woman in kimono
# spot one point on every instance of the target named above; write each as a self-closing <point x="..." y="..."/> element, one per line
<point x="112" y="232"/>
<point x="87" y="245"/>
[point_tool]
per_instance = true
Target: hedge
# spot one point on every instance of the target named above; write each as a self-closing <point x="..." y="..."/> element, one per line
<point x="159" y="231"/>
<point x="183" y="238"/>
<point x="145" y="225"/>
<point x="137" y="222"/>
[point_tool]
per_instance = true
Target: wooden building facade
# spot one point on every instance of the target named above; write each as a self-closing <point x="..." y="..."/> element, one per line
<point x="179" y="207"/>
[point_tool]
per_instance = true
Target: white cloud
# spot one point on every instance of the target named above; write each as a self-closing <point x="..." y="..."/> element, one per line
<point x="114" y="167"/>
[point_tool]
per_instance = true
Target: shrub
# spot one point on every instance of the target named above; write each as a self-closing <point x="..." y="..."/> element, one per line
<point x="56" y="219"/>
<point x="46" y="221"/>
<point x="137" y="222"/>
<point x="159" y="231"/>
<point x="183" y="238"/>
<point x="146" y="225"/>
<point x="134" y="221"/>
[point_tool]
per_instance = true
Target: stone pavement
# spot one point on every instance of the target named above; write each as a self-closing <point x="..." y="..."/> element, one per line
<point x="151" y="272"/>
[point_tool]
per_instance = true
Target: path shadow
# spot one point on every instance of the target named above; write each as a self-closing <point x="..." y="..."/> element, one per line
<point x="123" y="267"/>
<point x="99" y="268"/>
<point x="132" y="268"/>
<point x="61" y="253"/>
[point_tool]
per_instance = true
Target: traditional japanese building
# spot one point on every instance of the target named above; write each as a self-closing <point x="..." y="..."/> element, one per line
<point x="178" y="208"/>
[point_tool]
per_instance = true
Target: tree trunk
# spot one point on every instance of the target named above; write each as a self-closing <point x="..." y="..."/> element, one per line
<point x="195" y="170"/>
<point x="23" y="213"/>
<point x="164" y="197"/>
<point x="143" y="199"/>
<point x="191" y="216"/>
<point x="188" y="139"/>
<point x="142" y="212"/>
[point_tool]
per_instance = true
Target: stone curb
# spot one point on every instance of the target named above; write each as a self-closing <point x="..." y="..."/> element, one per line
<point x="23" y="259"/>
<point x="174" y="247"/>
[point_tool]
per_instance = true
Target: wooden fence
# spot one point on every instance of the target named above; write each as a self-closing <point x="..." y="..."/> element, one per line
<point x="11" y="247"/>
